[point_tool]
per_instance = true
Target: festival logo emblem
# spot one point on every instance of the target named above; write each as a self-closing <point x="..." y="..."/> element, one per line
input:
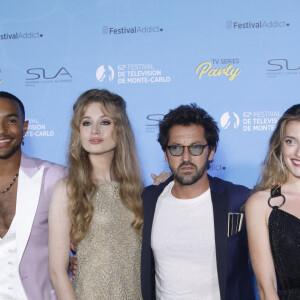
<point x="103" y="73"/>
<point x="229" y="119"/>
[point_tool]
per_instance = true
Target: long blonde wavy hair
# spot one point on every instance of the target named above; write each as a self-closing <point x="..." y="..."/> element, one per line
<point x="274" y="171"/>
<point x="125" y="166"/>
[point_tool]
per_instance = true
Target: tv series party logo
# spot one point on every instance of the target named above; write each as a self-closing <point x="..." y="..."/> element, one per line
<point x="219" y="67"/>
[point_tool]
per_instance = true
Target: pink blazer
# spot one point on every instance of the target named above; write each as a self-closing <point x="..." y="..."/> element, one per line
<point x="35" y="185"/>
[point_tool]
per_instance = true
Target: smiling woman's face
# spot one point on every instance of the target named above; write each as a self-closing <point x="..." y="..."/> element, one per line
<point x="291" y="148"/>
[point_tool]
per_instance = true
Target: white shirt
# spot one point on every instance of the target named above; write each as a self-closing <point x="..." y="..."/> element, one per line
<point x="183" y="244"/>
<point x="11" y="287"/>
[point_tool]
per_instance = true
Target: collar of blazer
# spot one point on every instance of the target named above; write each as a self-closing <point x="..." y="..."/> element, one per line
<point x="28" y="194"/>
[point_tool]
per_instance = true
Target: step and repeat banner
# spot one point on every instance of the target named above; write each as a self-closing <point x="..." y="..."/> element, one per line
<point x="239" y="60"/>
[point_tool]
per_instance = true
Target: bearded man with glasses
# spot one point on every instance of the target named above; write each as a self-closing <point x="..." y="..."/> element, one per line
<point x="194" y="236"/>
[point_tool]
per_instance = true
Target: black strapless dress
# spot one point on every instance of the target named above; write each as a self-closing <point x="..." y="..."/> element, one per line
<point x="284" y="231"/>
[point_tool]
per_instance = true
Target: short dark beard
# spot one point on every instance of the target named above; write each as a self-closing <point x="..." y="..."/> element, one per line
<point x="185" y="179"/>
<point x="13" y="150"/>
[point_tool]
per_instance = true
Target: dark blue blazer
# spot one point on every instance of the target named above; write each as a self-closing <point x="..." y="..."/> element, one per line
<point x="232" y="252"/>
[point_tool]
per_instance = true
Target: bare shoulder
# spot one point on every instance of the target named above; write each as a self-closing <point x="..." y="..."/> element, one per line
<point x="258" y="196"/>
<point x="61" y="185"/>
<point x="60" y="191"/>
<point x="258" y="201"/>
<point x="257" y="208"/>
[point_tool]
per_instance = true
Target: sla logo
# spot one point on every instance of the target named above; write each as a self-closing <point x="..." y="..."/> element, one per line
<point x="228" y="118"/>
<point x="37" y="73"/>
<point x="103" y="72"/>
<point x="37" y="76"/>
<point x="281" y="63"/>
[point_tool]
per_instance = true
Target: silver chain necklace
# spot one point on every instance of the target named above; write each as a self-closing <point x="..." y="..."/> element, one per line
<point x="10" y="185"/>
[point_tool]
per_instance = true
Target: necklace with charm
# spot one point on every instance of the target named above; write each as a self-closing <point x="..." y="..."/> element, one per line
<point x="10" y="185"/>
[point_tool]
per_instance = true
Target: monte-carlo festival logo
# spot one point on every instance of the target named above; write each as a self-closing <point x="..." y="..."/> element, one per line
<point x="105" y="72"/>
<point x="230" y="119"/>
<point x="250" y="121"/>
<point x="132" y="73"/>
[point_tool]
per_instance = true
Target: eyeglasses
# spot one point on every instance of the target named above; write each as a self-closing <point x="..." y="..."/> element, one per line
<point x="177" y="150"/>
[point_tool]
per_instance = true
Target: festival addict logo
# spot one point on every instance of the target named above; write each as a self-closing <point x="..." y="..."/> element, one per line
<point x="218" y="67"/>
<point x="216" y="167"/>
<point x="261" y="24"/>
<point x="131" y="74"/>
<point x="281" y="67"/>
<point x="20" y="35"/>
<point x="131" y="30"/>
<point x="230" y="119"/>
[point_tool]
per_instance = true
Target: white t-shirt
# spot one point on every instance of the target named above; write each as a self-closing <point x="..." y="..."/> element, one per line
<point x="183" y="244"/>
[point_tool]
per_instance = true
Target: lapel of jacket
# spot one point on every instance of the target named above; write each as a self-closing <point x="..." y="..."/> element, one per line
<point x="28" y="194"/>
<point x="220" y="210"/>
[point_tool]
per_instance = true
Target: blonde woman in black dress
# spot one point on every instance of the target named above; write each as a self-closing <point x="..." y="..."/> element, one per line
<point x="273" y="212"/>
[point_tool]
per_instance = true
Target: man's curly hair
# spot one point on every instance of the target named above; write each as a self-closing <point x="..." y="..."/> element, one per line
<point x="188" y="115"/>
